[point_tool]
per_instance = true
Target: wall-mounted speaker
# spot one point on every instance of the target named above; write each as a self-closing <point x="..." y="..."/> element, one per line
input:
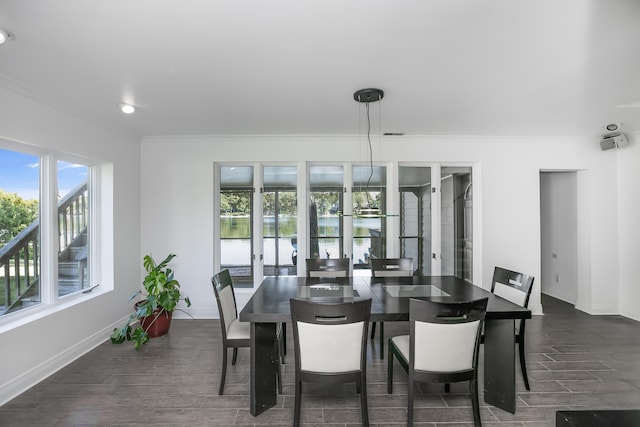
<point x="615" y="140"/>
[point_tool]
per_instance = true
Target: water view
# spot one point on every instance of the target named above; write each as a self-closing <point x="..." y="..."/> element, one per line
<point x="236" y="240"/>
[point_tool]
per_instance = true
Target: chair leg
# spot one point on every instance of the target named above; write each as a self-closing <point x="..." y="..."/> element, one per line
<point x="278" y="358"/>
<point x="284" y="341"/>
<point x="523" y="363"/>
<point x="297" y="403"/>
<point x="410" y="402"/>
<point x="390" y="371"/>
<point x="363" y="402"/>
<point x="475" y="404"/>
<point x="224" y="371"/>
<point x="279" y="377"/>
<point x="373" y="330"/>
<point x="447" y="387"/>
<point x="235" y="356"/>
<point x="381" y="340"/>
<point x="281" y="338"/>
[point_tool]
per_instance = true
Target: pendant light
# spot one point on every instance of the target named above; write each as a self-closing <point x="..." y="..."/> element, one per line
<point x="366" y="97"/>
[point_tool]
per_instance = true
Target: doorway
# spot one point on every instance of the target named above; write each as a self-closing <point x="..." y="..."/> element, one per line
<point x="559" y="234"/>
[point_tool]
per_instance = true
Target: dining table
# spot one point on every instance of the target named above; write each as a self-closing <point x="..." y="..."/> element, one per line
<point x="269" y="306"/>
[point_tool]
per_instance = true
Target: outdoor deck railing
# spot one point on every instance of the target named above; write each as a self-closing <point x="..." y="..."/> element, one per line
<point x="19" y="259"/>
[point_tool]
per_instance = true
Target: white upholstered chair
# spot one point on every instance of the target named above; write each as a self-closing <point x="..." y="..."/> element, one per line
<point x="515" y="287"/>
<point x="330" y="346"/>
<point x="389" y="267"/>
<point x="442" y="347"/>
<point x="235" y="333"/>
<point x="328" y="267"/>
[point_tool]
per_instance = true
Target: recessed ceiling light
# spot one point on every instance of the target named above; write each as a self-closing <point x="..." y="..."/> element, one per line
<point x="127" y="108"/>
<point x="5" y="36"/>
<point x="612" y="127"/>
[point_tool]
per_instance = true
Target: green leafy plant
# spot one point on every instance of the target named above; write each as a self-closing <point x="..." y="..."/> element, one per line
<point x="161" y="295"/>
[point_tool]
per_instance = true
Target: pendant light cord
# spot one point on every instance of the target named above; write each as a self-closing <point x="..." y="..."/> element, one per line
<point x="370" y="155"/>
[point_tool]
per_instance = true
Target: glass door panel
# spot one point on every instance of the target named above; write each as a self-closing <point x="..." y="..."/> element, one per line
<point x="325" y="211"/>
<point x="369" y="202"/>
<point x="280" y="220"/>
<point x="456" y="222"/>
<point x="415" y="216"/>
<point x="236" y="219"/>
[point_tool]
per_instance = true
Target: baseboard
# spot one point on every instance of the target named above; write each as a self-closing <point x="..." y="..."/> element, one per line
<point x="536" y="309"/>
<point x="26" y="380"/>
<point x="560" y="296"/>
<point x="196" y="313"/>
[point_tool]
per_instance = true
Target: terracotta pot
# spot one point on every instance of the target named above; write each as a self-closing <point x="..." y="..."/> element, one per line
<point x="157" y="324"/>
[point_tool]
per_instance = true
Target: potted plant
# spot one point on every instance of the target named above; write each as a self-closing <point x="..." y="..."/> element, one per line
<point x="160" y="297"/>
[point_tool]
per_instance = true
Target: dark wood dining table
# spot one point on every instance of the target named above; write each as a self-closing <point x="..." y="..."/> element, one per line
<point x="269" y="306"/>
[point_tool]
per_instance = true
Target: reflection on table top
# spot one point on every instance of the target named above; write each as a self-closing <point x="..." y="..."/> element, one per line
<point x="327" y="290"/>
<point x="414" y="291"/>
<point x="389" y="296"/>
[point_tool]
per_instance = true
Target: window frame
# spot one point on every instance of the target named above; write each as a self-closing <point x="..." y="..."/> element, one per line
<point x="99" y="233"/>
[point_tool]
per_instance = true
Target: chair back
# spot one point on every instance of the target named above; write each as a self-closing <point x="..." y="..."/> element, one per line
<point x="330" y="337"/>
<point x="511" y="285"/>
<point x="226" y="299"/>
<point x="328" y="267"/>
<point x="391" y="267"/>
<point x="445" y="336"/>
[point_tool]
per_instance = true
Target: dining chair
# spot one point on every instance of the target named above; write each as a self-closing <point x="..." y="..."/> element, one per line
<point x="330" y="340"/>
<point x="235" y="334"/>
<point x="515" y="287"/>
<point x="442" y="347"/>
<point x="328" y="267"/>
<point x="388" y="267"/>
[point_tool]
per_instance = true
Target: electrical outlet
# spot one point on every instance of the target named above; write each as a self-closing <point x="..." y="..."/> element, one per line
<point x="557" y="278"/>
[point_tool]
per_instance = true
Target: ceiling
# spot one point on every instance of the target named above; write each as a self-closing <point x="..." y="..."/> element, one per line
<point x="255" y="67"/>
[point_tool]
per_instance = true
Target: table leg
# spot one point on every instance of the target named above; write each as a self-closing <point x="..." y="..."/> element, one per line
<point x="263" y="367"/>
<point x="500" y="364"/>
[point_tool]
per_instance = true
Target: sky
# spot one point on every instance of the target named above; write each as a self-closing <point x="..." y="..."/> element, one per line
<point x="19" y="173"/>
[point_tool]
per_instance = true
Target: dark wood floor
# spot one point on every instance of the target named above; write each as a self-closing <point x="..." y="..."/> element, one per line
<point x="575" y="361"/>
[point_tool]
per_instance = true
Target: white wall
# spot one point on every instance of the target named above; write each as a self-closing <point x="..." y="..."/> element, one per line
<point x="628" y="219"/>
<point x="559" y="239"/>
<point x="508" y="190"/>
<point x="44" y="344"/>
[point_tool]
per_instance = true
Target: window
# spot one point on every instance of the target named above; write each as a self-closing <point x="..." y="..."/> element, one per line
<point x="415" y="216"/>
<point x="325" y="209"/>
<point x="25" y="230"/>
<point x="236" y="223"/>
<point x="351" y="212"/>
<point x="447" y="210"/>
<point x="280" y="220"/>
<point x="19" y="231"/>
<point x="73" y="227"/>
<point x="456" y="222"/>
<point x="369" y="236"/>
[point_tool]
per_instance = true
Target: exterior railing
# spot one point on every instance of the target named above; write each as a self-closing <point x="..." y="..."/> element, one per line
<point x="19" y="259"/>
